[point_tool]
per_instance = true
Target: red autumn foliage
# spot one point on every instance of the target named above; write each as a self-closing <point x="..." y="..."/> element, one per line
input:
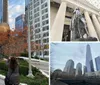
<point x="15" y="43"/>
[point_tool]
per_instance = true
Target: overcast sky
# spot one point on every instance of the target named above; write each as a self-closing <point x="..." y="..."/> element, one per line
<point x="15" y="8"/>
<point x="61" y="52"/>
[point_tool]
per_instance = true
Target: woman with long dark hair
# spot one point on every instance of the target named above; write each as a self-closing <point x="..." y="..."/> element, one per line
<point x="12" y="77"/>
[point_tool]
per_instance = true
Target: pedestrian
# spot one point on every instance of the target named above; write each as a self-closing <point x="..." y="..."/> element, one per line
<point x="12" y="77"/>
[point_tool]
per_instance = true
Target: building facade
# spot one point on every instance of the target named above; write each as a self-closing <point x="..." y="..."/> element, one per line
<point x="37" y="18"/>
<point x="89" y="61"/>
<point x="3" y="11"/>
<point x="20" y="23"/>
<point x="78" y="69"/>
<point x="69" y="67"/>
<point x="97" y="62"/>
<point x="84" y="69"/>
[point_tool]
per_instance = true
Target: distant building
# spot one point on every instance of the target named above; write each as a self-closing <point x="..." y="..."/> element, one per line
<point x="3" y="11"/>
<point x="89" y="61"/>
<point x="79" y="69"/>
<point x="84" y="69"/>
<point x="69" y="67"/>
<point x="20" y="22"/>
<point x="97" y="61"/>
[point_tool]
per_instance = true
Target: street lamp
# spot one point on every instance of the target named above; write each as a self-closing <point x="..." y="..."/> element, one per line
<point x="29" y="49"/>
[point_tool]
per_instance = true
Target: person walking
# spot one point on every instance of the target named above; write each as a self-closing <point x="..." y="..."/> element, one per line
<point x="12" y="77"/>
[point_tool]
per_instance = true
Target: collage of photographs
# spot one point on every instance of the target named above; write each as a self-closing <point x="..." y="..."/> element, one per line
<point x="49" y="42"/>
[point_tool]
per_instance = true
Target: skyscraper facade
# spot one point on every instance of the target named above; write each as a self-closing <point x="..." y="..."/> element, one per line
<point x="89" y="61"/>
<point x="69" y="67"/>
<point x="3" y="11"/>
<point x="84" y="69"/>
<point x="78" y="69"/>
<point x="97" y="62"/>
<point x="20" y="23"/>
<point x="37" y="18"/>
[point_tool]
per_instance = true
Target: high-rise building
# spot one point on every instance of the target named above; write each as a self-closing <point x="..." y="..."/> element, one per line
<point x="20" y="22"/>
<point x="97" y="61"/>
<point x="3" y="11"/>
<point x="79" y="69"/>
<point x="89" y="61"/>
<point x="37" y="18"/>
<point x="69" y="67"/>
<point x="84" y="69"/>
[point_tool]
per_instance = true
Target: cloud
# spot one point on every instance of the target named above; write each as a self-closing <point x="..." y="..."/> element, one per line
<point x="15" y="8"/>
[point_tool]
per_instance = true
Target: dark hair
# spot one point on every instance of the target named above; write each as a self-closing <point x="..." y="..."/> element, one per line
<point x="13" y="63"/>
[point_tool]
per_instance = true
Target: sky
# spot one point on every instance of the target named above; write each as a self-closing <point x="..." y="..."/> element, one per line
<point x="62" y="52"/>
<point x="15" y="8"/>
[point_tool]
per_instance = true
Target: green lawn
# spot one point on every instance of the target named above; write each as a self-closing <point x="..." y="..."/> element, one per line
<point x="39" y="79"/>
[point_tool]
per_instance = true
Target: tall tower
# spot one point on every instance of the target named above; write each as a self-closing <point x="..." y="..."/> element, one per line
<point x="89" y="61"/>
<point x="3" y="11"/>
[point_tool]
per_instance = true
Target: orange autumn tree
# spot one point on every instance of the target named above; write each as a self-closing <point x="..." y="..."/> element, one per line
<point x="4" y="35"/>
<point x="16" y="44"/>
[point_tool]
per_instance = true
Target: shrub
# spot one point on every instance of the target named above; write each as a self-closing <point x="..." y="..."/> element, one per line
<point x="39" y="79"/>
<point x="24" y="54"/>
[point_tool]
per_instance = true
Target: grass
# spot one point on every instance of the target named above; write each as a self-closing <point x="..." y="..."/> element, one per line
<point x="39" y="79"/>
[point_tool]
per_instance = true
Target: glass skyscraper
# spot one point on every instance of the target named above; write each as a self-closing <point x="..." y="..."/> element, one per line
<point x="20" y="23"/>
<point x="3" y="11"/>
<point x="97" y="61"/>
<point x="89" y="61"/>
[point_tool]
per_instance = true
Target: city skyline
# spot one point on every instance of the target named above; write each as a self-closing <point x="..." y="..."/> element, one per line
<point x="74" y="51"/>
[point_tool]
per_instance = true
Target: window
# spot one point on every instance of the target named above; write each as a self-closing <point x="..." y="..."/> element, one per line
<point x="37" y="30"/>
<point x="36" y="4"/>
<point x="44" y="5"/>
<point x="46" y="34"/>
<point x="45" y="10"/>
<point x="37" y="20"/>
<point x="36" y="15"/>
<point x="36" y="9"/>
<point x="45" y="22"/>
<point x="37" y="25"/>
<point x="38" y="36"/>
<point x="45" y="28"/>
<point x="43" y="1"/>
<point x="46" y="40"/>
<point x="44" y="16"/>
